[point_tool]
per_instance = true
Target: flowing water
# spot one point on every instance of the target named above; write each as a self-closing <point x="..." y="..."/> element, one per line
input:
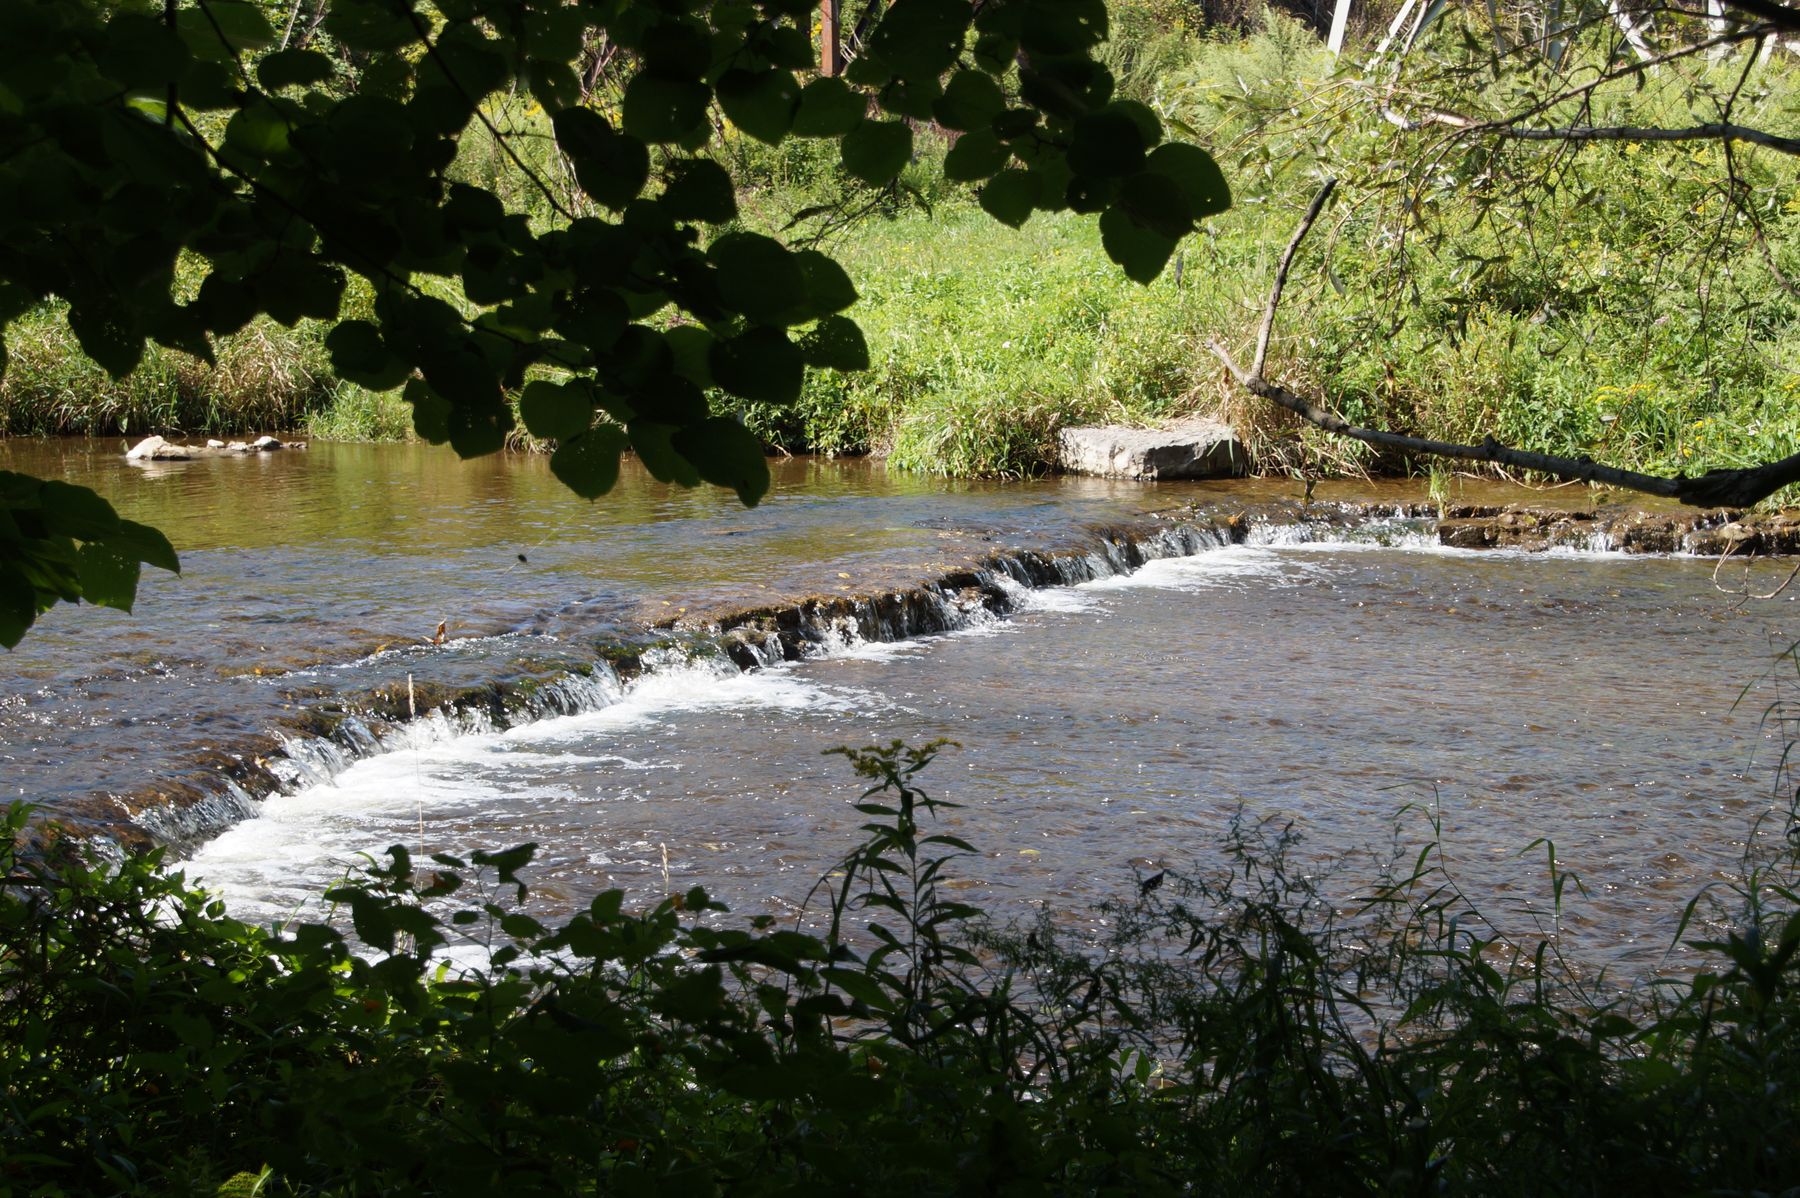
<point x="1106" y="730"/>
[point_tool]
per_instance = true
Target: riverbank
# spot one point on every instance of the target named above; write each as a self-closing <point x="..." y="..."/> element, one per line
<point x="1619" y="334"/>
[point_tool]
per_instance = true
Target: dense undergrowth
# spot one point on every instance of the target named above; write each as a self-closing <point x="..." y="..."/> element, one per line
<point x="1235" y="1033"/>
<point x="1634" y="303"/>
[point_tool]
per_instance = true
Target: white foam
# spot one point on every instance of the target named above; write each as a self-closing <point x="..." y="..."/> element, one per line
<point x="1236" y="567"/>
<point x="300" y="842"/>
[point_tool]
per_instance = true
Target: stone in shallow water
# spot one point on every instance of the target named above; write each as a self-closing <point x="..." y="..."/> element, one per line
<point x="1192" y="449"/>
<point x="155" y="449"/>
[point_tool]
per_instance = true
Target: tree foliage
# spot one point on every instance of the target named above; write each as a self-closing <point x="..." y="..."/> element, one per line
<point x="138" y="136"/>
<point x="1472" y="132"/>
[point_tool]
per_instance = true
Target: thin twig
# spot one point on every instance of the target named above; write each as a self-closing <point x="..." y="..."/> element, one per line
<point x="431" y="52"/>
<point x="1744" y="593"/>
<point x="1281" y="274"/>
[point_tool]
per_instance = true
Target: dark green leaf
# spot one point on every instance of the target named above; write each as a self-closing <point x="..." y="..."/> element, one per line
<point x="670" y="399"/>
<point x="760" y="278"/>
<point x="142" y="52"/>
<point x="107" y="337"/>
<point x="699" y="189"/>
<point x="876" y="151"/>
<point x="761" y="365"/>
<point x="478" y="431"/>
<point x="610" y="166"/>
<point x="920" y="38"/>
<point x="911" y="97"/>
<point x="292" y="288"/>
<point x="108" y="579"/>
<point x="359" y="355"/>
<point x="1195" y="172"/>
<point x="1058" y="27"/>
<point x="73" y="511"/>
<point x="659" y="109"/>
<point x="976" y="156"/>
<point x="589" y="464"/>
<point x="761" y="103"/>
<point x="1141" y="252"/>
<point x="1106" y="144"/>
<point x="971" y="101"/>
<point x="836" y="342"/>
<point x="828" y="108"/>
<point x="828" y="288"/>
<point x="294" y="68"/>
<point x="691" y="346"/>
<point x="1156" y="202"/>
<point x="556" y="411"/>
<point x="225" y="304"/>
<point x="18" y="605"/>
<point x="224" y="28"/>
<point x="431" y="411"/>
<point x="259" y="132"/>
<point x="726" y="454"/>
<point x="146" y="544"/>
<point x="1065" y="88"/>
<point x="1010" y="196"/>
<point x="371" y="25"/>
<point x="654" y="449"/>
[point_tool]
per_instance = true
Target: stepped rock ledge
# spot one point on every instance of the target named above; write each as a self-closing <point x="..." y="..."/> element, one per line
<point x="328" y="730"/>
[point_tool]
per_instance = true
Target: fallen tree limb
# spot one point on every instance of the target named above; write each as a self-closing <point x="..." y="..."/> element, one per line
<point x="1716" y="488"/>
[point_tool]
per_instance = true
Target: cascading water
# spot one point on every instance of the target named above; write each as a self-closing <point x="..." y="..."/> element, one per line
<point x="665" y="673"/>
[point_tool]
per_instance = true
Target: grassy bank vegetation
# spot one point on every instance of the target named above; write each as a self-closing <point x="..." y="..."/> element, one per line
<point x="1628" y="310"/>
<point x="1237" y="1032"/>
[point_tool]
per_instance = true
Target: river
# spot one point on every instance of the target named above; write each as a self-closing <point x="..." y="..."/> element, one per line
<point x="1358" y="683"/>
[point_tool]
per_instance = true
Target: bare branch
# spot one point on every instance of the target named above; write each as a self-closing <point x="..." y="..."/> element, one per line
<point x="1716" y="488"/>
<point x="1717" y="131"/>
<point x="1281" y="274"/>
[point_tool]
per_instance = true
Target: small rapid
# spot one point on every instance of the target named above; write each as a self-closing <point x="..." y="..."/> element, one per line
<point x="649" y="687"/>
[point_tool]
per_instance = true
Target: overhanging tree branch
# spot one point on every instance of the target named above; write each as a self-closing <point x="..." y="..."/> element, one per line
<point x="1778" y="15"/>
<point x="1716" y="488"/>
<point x="1715" y="131"/>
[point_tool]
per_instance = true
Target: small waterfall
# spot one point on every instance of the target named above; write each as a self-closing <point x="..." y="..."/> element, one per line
<point x="763" y="638"/>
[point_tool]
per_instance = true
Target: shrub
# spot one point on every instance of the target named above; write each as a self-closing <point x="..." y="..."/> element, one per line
<point x="1233" y="1033"/>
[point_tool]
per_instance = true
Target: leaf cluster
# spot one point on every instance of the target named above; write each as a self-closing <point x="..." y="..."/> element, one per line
<point x="132" y="138"/>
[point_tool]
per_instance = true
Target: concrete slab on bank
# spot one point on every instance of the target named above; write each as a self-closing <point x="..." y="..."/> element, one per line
<point x="1196" y="448"/>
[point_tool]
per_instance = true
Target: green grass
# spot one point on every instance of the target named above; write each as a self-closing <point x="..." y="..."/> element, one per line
<point x="985" y="340"/>
<point x="268" y="378"/>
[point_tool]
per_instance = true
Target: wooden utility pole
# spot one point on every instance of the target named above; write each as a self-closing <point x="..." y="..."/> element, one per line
<point x="831" y="37"/>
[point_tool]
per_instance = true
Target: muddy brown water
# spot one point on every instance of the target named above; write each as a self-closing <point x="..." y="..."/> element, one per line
<point x="1612" y="705"/>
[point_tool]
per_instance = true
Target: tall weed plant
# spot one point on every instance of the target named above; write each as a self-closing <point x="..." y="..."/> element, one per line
<point x="1234" y="1031"/>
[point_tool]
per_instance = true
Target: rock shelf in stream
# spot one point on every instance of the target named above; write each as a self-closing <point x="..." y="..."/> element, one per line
<point x="976" y="581"/>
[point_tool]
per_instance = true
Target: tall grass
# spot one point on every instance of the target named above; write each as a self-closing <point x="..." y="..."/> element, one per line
<point x="266" y="378"/>
<point x="985" y="341"/>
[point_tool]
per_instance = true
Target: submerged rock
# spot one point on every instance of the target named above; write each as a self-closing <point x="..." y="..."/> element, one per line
<point x="156" y="449"/>
<point x="1201" y="448"/>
